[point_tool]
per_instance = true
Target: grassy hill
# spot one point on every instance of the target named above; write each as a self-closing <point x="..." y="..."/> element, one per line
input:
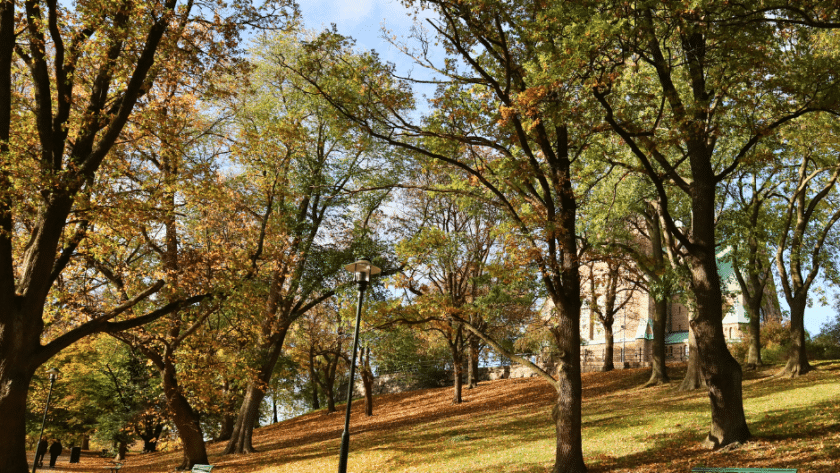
<point x="505" y="426"/>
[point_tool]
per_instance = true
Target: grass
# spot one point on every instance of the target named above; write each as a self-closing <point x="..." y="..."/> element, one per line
<point x="505" y="426"/>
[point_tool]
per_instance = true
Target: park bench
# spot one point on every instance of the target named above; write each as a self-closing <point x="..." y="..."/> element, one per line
<point x="201" y="468"/>
<point x="705" y="469"/>
<point x="115" y="468"/>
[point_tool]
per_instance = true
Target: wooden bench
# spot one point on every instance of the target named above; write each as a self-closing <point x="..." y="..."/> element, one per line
<point x="201" y="468"/>
<point x="115" y="467"/>
<point x="705" y="469"/>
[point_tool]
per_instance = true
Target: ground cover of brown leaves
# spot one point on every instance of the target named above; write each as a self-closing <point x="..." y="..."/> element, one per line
<point x="505" y="426"/>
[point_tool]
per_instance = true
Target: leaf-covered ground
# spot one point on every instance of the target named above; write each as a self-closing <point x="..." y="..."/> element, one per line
<point x="505" y="426"/>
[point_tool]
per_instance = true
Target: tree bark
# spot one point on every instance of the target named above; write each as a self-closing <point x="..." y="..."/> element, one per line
<point x="186" y="420"/>
<point x="754" y="352"/>
<point x="567" y="410"/>
<point x="14" y="385"/>
<point x="313" y="379"/>
<point x="609" y="348"/>
<point x="721" y="371"/>
<point x="226" y="428"/>
<point x="472" y="367"/>
<point x="797" y="363"/>
<point x="658" y="368"/>
<point x="249" y="411"/>
<point x="367" y="381"/>
<point x="457" y="365"/>
<point x="693" y="374"/>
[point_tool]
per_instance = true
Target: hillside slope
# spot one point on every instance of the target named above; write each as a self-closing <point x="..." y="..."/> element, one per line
<point x="505" y="426"/>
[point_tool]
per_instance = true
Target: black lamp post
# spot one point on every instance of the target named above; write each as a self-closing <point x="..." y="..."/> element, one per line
<point x="53" y="372"/>
<point x="362" y="271"/>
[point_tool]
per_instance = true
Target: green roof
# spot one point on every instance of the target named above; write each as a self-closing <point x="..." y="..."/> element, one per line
<point x="676" y="337"/>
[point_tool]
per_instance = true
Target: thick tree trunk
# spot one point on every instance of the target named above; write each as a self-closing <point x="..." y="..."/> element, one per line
<point x="567" y="411"/>
<point x="186" y="420"/>
<point x="721" y="371"/>
<point x="85" y="442"/>
<point x="249" y="411"/>
<point x="243" y="428"/>
<point x="609" y="348"/>
<point x="658" y="369"/>
<point x="694" y="374"/>
<point x="797" y="363"/>
<point x="274" y="420"/>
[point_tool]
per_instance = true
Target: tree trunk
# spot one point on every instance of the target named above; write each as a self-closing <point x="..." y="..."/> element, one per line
<point x="567" y="411"/>
<point x="754" y="353"/>
<point x="85" y="442"/>
<point x="721" y="371"/>
<point x="186" y="420"/>
<point x="797" y="363"/>
<point x="367" y="381"/>
<point x="14" y="385"/>
<point x="274" y="408"/>
<point x="249" y="411"/>
<point x="457" y="364"/>
<point x="227" y="427"/>
<point x="609" y="348"/>
<point x="658" y="368"/>
<point x="472" y="367"/>
<point x="693" y="374"/>
<point x="122" y="450"/>
<point x="316" y="404"/>
<point x="329" y="391"/>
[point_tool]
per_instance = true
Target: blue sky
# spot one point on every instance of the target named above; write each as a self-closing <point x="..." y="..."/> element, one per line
<point x="364" y="20"/>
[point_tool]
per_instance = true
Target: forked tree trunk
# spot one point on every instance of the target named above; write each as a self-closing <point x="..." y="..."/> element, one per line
<point x="658" y="368"/>
<point x="693" y="374"/>
<point x="609" y="348"/>
<point x="249" y="411"/>
<point x="797" y="363"/>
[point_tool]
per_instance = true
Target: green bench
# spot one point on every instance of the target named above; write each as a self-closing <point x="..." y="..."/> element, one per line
<point x="201" y="468"/>
<point x="704" y="469"/>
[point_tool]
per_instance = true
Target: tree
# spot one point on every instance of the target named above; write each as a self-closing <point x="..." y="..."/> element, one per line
<point x="67" y="90"/>
<point x="812" y="209"/>
<point x="515" y="133"/>
<point x="301" y="169"/>
<point x="691" y="108"/>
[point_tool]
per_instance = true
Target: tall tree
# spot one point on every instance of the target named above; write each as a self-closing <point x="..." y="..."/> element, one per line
<point x="695" y="122"/>
<point x="71" y="75"/>
<point x="515" y="133"/>
<point x="301" y="172"/>
<point x="808" y="226"/>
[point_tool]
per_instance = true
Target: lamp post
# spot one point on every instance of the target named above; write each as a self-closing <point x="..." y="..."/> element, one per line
<point x="53" y="372"/>
<point x="362" y="271"/>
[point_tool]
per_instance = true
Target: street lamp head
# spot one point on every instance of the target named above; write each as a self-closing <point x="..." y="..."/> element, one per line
<point x="53" y="372"/>
<point x="362" y="270"/>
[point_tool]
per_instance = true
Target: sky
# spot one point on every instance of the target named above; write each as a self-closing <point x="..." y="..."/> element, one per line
<point x="364" y="20"/>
